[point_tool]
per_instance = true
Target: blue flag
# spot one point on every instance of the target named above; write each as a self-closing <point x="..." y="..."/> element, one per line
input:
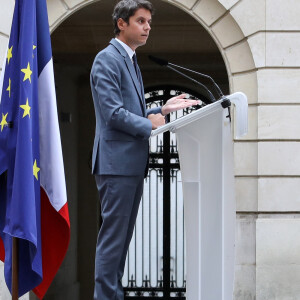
<point x="29" y="52"/>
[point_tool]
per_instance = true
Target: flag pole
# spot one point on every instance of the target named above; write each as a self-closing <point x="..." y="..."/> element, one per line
<point x="15" y="269"/>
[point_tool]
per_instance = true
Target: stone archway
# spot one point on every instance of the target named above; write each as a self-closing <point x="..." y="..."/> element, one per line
<point x="220" y="24"/>
<point x="215" y="16"/>
<point x="222" y="19"/>
<point x="219" y="18"/>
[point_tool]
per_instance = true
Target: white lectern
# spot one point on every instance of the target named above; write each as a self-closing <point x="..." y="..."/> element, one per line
<point x="205" y="149"/>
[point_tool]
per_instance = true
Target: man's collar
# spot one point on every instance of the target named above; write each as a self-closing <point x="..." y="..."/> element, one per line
<point x="129" y="51"/>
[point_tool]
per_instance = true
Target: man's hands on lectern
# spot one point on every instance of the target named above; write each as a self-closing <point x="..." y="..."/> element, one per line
<point x="156" y="120"/>
<point x="178" y="102"/>
<point x="173" y="104"/>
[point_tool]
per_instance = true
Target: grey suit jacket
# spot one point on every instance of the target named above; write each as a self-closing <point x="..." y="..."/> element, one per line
<point x="122" y="128"/>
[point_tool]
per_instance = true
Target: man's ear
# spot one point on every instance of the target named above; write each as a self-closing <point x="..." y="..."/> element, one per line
<point x="121" y="24"/>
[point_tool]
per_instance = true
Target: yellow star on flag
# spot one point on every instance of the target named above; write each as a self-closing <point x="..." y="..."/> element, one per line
<point x="9" y="87"/>
<point x="3" y="122"/>
<point x="27" y="73"/>
<point x="36" y="170"/>
<point x="33" y="47"/>
<point x="26" y="108"/>
<point x="9" y="54"/>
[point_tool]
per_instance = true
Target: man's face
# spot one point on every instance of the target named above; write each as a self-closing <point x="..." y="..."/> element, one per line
<point x="136" y="32"/>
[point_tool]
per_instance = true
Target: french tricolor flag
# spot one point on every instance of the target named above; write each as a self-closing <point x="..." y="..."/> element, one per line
<point x="33" y="200"/>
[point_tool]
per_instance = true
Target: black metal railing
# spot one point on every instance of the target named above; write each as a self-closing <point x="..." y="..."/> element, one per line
<point x="155" y="265"/>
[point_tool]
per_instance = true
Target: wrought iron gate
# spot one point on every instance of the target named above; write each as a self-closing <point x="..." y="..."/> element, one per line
<point x="155" y="265"/>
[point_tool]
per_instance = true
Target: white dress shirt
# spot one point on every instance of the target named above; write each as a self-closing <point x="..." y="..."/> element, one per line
<point x="129" y="51"/>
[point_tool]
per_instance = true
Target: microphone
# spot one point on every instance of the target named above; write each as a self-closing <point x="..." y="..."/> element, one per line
<point x="165" y="63"/>
<point x="160" y="61"/>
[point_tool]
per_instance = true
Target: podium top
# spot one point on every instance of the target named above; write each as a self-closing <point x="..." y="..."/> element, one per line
<point x="238" y="99"/>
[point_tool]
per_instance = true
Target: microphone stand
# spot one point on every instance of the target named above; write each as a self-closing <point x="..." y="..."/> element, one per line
<point x="212" y="98"/>
<point x="225" y="103"/>
<point x="220" y="94"/>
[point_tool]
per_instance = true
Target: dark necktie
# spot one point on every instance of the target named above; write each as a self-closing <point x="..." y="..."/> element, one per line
<point x="138" y="74"/>
<point x="139" y="77"/>
<point x="137" y="71"/>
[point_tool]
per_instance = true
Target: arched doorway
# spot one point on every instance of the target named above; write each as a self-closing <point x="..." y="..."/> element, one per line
<point x="176" y="36"/>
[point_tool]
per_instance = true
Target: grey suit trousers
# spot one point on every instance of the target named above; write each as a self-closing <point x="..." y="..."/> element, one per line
<point x="120" y="198"/>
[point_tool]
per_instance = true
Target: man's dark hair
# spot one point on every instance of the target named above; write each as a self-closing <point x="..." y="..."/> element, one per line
<point x="127" y="8"/>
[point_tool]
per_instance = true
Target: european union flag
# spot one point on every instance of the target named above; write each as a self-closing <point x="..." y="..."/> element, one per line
<point x="28" y="55"/>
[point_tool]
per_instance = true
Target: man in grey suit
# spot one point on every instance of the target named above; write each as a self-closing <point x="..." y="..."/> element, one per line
<point x="120" y="153"/>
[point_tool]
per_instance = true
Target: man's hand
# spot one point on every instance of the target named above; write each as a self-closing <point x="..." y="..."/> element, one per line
<point x="156" y="120"/>
<point x="178" y="102"/>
